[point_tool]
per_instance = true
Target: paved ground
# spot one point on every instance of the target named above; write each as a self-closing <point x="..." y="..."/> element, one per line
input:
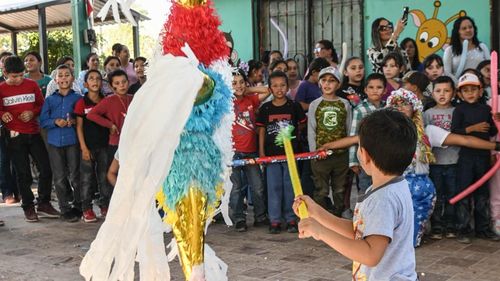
<point x="53" y="250"/>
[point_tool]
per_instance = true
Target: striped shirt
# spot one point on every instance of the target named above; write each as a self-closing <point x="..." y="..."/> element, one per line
<point x="359" y="112"/>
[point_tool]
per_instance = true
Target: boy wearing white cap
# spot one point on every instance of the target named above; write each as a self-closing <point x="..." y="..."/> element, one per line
<point x="329" y="119"/>
<point x="473" y="118"/>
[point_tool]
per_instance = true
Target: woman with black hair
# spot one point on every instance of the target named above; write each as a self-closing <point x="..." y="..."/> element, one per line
<point x="410" y="47"/>
<point x="464" y="28"/>
<point x="325" y="49"/>
<point x="385" y="41"/>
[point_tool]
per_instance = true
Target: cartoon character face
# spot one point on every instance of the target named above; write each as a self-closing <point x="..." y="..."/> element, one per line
<point x="432" y="33"/>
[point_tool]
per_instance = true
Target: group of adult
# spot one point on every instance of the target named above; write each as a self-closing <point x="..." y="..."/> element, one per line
<point x="385" y="36"/>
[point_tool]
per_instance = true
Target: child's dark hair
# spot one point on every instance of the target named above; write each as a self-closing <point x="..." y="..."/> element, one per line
<point x="276" y="63"/>
<point x="275" y="52"/>
<point x="116" y="73"/>
<point x="482" y="64"/>
<point x="13" y="64"/>
<point x="390" y="138"/>
<point x="434" y="57"/>
<point x="317" y="65"/>
<point x="143" y="59"/>
<point x="35" y="54"/>
<point x="398" y="59"/>
<point x="86" y="76"/>
<point x="376" y="76"/>
<point x="87" y="59"/>
<point x="110" y="58"/>
<point x="117" y="48"/>
<point x="345" y="80"/>
<point x="64" y="66"/>
<point x="254" y="65"/>
<point x="240" y="72"/>
<point x="63" y="60"/>
<point x="328" y="45"/>
<point x="420" y="80"/>
<point x="5" y="54"/>
<point x="277" y="74"/>
<point x="443" y="80"/>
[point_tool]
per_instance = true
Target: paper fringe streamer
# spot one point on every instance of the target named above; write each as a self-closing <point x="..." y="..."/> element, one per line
<point x="197" y="26"/>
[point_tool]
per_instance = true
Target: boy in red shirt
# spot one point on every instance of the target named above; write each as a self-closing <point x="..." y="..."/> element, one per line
<point x="21" y="102"/>
<point x="245" y="146"/>
<point x="111" y="111"/>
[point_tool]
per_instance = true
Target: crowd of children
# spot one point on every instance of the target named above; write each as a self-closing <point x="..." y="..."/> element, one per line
<point x="69" y="127"/>
<point x="453" y="125"/>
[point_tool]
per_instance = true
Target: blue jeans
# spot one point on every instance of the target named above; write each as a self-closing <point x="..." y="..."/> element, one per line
<point x="253" y="176"/>
<point x="280" y="193"/>
<point x="65" y="163"/>
<point x="444" y="178"/>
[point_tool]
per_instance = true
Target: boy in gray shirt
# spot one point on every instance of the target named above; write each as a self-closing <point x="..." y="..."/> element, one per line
<point x="379" y="239"/>
<point x="443" y="172"/>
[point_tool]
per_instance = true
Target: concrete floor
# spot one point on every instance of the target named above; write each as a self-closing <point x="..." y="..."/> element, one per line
<point x="53" y="250"/>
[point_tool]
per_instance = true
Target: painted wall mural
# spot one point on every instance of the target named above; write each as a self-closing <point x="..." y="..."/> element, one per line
<point x="433" y="33"/>
<point x="430" y="22"/>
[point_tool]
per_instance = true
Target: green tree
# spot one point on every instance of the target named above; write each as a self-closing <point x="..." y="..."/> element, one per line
<point x="59" y="42"/>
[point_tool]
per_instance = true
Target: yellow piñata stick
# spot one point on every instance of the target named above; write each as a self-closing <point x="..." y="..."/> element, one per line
<point x="284" y="138"/>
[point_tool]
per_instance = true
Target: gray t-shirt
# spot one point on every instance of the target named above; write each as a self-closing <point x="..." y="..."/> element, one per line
<point x="387" y="211"/>
<point x="441" y="117"/>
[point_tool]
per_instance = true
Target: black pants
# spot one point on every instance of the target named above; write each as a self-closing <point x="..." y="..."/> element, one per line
<point x="8" y="184"/>
<point x="92" y="173"/>
<point x="20" y="148"/>
<point x="469" y="170"/>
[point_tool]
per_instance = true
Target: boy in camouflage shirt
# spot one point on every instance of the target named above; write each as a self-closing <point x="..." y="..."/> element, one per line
<point x="329" y="119"/>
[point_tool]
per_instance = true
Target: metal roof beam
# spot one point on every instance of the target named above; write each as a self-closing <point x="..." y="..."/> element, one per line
<point x="35" y="6"/>
<point x="8" y="27"/>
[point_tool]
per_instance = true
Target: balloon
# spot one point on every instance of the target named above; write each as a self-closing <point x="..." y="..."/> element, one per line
<point x="463" y="58"/>
<point x="494" y="95"/>
<point x="283" y="36"/>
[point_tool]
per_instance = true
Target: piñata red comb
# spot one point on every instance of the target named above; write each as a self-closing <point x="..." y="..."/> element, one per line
<point x="197" y="26"/>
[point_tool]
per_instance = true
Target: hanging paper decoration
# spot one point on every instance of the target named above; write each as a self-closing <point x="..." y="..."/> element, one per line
<point x="175" y="151"/>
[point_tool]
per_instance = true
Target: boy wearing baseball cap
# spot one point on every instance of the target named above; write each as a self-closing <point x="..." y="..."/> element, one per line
<point x="329" y="119"/>
<point x="473" y="118"/>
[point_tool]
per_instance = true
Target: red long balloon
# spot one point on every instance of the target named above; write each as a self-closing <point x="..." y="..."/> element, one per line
<point x="477" y="184"/>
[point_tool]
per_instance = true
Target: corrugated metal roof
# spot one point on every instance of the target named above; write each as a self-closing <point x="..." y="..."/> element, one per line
<point x="22" y="15"/>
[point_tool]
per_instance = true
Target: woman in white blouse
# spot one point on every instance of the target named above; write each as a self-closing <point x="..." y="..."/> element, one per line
<point x="464" y="28"/>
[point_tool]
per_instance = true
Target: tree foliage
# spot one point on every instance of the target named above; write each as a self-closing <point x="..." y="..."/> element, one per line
<point x="59" y="42"/>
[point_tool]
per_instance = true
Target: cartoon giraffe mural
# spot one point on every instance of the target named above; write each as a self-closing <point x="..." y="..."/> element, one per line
<point x="432" y="33"/>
